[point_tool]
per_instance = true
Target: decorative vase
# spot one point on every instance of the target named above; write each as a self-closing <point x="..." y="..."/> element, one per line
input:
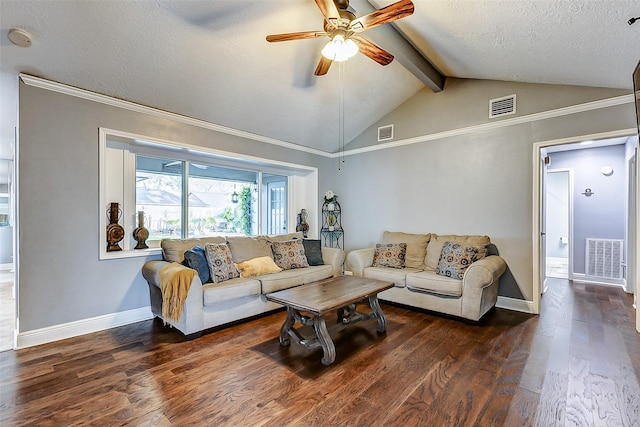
<point x="141" y="234"/>
<point x="302" y="223"/>
<point x="115" y="232"/>
<point x="331" y="207"/>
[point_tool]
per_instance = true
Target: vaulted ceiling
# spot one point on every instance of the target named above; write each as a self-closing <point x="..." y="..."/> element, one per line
<point x="209" y="59"/>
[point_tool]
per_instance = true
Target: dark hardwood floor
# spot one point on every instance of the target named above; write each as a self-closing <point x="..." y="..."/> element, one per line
<point x="578" y="363"/>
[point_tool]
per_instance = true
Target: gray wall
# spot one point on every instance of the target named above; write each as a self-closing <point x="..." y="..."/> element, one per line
<point x="603" y="215"/>
<point x="477" y="183"/>
<point x="60" y="277"/>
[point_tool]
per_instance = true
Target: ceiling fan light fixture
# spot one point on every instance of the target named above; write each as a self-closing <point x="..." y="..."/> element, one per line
<point x="339" y="49"/>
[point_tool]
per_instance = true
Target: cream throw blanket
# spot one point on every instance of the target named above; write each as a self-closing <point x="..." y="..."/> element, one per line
<point x="175" y="281"/>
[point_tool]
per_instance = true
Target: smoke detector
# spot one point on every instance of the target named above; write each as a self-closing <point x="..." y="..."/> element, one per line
<point x="19" y="37"/>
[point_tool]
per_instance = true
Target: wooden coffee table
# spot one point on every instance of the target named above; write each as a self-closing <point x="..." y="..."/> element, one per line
<point x="339" y="294"/>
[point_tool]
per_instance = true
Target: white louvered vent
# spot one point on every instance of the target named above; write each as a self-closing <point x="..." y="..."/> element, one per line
<point x="385" y="133"/>
<point x="604" y="258"/>
<point x="502" y="106"/>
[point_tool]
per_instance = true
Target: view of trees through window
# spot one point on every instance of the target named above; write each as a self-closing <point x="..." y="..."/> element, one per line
<point x="221" y="201"/>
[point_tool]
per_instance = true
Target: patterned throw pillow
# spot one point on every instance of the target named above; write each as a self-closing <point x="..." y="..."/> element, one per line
<point x="221" y="266"/>
<point x="195" y="258"/>
<point x="390" y="255"/>
<point x="289" y="254"/>
<point x="455" y="259"/>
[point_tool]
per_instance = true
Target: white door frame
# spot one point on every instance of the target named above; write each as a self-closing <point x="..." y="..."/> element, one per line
<point x="537" y="215"/>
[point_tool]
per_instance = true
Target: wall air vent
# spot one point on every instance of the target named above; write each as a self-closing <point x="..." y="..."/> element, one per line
<point x="385" y="133"/>
<point x="502" y="106"/>
<point x="604" y="258"/>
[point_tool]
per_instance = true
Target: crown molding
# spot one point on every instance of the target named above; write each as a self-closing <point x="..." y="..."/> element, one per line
<point x="558" y="112"/>
<point x="132" y="106"/>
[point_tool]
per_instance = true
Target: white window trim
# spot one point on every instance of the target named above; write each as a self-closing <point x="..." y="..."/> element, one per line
<point x="303" y="184"/>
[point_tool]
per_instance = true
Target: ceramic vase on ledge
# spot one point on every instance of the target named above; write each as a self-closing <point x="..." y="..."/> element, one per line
<point x="141" y="234"/>
<point x="302" y="223"/>
<point x="115" y="232"/>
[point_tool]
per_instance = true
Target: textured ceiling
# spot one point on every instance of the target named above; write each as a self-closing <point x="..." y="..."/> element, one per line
<point x="209" y="59"/>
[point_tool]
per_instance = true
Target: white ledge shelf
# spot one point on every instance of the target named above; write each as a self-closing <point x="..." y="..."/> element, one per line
<point x="131" y="253"/>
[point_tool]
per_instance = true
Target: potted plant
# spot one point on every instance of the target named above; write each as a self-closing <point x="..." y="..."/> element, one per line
<point x="332" y="221"/>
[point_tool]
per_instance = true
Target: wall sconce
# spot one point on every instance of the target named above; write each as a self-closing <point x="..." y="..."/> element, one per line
<point x="588" y="192"/>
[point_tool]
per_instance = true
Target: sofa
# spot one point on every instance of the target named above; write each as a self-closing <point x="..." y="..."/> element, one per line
<point x="449" y="274"/>
<point x="208" y="305"/>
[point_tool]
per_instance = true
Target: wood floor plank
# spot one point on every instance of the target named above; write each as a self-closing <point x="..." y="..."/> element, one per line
<point x="553" y="399"/>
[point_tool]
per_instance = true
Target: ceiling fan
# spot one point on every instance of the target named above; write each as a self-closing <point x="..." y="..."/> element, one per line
<point x="343" y="29"/>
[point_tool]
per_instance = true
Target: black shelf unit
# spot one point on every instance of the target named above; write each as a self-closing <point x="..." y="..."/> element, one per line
<point x="331" y="230"/>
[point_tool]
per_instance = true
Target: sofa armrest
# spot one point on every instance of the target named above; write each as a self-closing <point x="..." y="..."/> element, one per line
<point x="191" y="320"/>
<point x="480" y="286"/>
<point x="359" y="259"/>
<point x="335" y="258"/>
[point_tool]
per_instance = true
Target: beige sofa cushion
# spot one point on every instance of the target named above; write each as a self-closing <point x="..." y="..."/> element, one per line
<point x="437" y="241"/>
<point x="173" y="249"/>
<point x="245" y="247"/>
<point x="216" y="293"/>
<point x="285" y="237"/>
<point x="428" y="281"/>
<point x="416" y="246"/>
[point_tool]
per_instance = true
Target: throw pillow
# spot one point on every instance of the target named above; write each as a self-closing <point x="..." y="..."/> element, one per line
<point x="290" y="254"/>
<point x="390" y="255"/>
<point x="455" y="259"/>
<point x="258" y="266"/>
<point x="313" y="251"/>
<point x="195" y="258"/>
<point x="221" y="266"/>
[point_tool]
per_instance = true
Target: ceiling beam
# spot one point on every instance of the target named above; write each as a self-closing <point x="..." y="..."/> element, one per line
<point x="391" y="39"/>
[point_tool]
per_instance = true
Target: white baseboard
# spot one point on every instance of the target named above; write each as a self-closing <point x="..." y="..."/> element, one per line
<point x="515" y="304"/>
<point x="583" y="278"/>
<point x="81" y="327"/>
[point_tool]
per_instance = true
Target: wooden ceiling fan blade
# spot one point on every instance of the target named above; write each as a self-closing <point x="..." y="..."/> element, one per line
<point x="394" y="11"/>
<point x="295" y="36"/>
<point x="329" y="11"/>
<point x="373" y="51"/>
<point x="323" y="66"/>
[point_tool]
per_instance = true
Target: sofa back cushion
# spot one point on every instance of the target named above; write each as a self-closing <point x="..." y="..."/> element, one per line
<point x="434" y="249"/>
<point x="246" y="247"/>
<point x="173" y="249"/>
<point x="285" y="237"/>
<point x="416" y="246"/>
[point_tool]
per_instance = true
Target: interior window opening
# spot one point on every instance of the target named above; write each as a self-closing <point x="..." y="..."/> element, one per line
<point x="209" y="200"/>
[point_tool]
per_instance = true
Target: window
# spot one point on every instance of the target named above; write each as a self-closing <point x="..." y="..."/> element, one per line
<point x="220" y="200"/>
<point x="187" y="192"/>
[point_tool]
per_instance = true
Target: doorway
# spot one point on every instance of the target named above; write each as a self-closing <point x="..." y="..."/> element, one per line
<point x="598" y="172"/>
<point x="558" y="223"/>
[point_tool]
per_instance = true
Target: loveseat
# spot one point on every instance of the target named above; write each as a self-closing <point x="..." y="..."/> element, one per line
<point x="450" y="274"/>
<point x="213" y="304"/>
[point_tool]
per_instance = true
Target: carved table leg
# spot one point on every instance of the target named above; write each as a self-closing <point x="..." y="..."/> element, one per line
<point x="329" y="349"/>
<point x="286" y="327"/>
<point x="377" y="311"/>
